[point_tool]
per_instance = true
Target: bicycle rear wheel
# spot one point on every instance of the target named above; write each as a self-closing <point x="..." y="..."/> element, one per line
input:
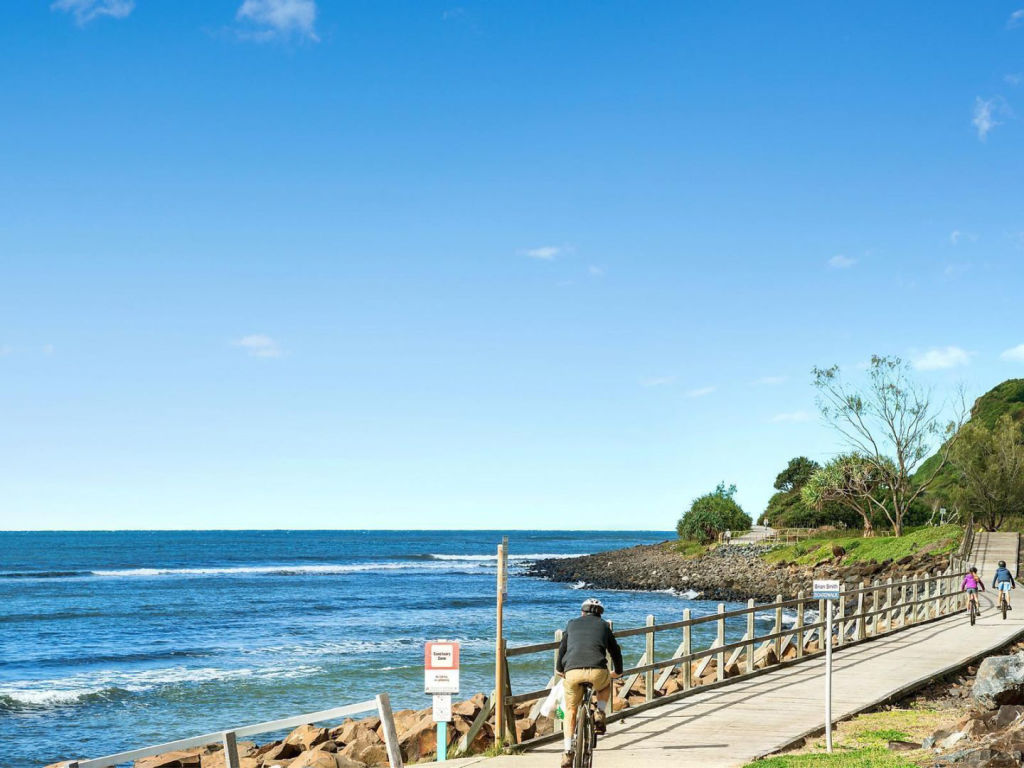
<point x="1002" y="603"/>
<point x="581" y="756"/>
<point x="974" y="612"/>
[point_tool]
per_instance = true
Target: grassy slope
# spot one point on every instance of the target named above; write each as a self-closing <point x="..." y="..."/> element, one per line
<point x="861" y="742"/>
<point x="1007" y="397"/>
<point x="936" y="540"/>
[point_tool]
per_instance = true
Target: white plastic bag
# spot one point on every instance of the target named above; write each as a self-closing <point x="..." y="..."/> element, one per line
<point x="555" y="702"/>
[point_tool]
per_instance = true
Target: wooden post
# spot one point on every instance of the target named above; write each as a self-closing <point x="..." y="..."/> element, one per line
<point x="841" y="619"/>
<point x="499" y="665"/>
<point x="510" y="713"/>
<point x="387" y="725"/>
<point x="821" y="620"/>
<point x="890" y="613"/>
<point x="687" y="650"/>
<point x="750" y="635"/>
<point x="230" y="749"/>
<point x="800" y="624"/>
<point x="861" y="628"/>
<point x="649" y="676"/>
<point x="557" y="723"/>
<point x="720" y="639"/>
<point x="903" y="602"/>
<point x="778" y="627"/>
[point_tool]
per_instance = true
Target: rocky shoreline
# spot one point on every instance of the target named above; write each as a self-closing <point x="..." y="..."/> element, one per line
<point x="727" y="573"/>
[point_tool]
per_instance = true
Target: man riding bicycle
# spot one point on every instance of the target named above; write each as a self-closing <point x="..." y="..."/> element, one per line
<point x="972" y="583"/>
<point x="583" y="659"/>
<point x="1004" y="582"/>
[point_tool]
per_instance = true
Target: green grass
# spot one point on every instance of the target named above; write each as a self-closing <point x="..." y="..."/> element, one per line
<point x="932" y="539"/>
<point x="861" y="742"/>
<point x="689" y="548"/>
<point x="871" y="757"/>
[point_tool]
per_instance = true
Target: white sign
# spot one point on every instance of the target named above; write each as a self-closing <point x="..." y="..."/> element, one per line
<point x="442" y="707"/>
<point x="441" y="668"/>
<point x="825" y="589"/>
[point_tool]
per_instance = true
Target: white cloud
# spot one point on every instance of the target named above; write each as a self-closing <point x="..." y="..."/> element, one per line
<point x="839" y="261"/>
<point x="1016" y="18"/>
<point x="701" y="392"/>
<point x="85" y="11"/>
<point x="1016" y="354"/>
<point x="941" y="357"/>
<point x="278" y="18"/>
<point x="259" y="345"/>
<point x="657" y="381"/>
<point x="1014" y="79"/>
<point x="984" y="116"/>
<point x="794" y="416"/>
<point x="544" y="252"/>
<point x="770" y="380"/>
<point x="595" y="271"/>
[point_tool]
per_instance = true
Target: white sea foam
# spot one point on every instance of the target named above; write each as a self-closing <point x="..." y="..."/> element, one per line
<point x="271" y="569"/>
<point x="511" y="557"/>
<point x="69" y="690"/>
<point x="578" y="585"/>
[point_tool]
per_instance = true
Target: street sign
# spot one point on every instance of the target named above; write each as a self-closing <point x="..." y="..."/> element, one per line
<point x="442" y="707"/>
<point x="441" y="667"/>
<point x="825" y="589"/>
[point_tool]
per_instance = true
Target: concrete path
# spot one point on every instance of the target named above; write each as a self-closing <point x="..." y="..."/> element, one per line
<point x="738" y="723"/>
<point x="990" y="548"/>
<point x="755" y="535"/>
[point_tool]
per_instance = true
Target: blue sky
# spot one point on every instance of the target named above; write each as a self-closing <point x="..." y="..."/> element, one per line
<point x="285" y="263"/>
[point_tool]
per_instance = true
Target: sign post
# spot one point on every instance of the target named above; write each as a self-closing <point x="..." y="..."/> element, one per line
<point x="441" y="680"/>
<point x="827" y="590"/>
<point x="499" y="665"/>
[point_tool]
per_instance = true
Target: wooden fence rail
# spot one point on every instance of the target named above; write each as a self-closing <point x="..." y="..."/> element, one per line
<point x="230" y="738"/>
<point x="863" y="613"/>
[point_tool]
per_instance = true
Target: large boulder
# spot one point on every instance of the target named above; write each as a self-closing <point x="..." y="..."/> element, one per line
<point x="315" y="758"/>
<point x="1000" y="680"/>
<point x="366" y="747"/>
<point x="276" y="753"/>
<point x="418" y="740"/>
<point x="184" y="758"/>
<point x="307" y="736"/>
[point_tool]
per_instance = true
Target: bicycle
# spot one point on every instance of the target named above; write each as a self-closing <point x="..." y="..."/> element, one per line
<point x="585" y="738"/>
<point x="1003" y="602"/>
<point x="972" y="607"/>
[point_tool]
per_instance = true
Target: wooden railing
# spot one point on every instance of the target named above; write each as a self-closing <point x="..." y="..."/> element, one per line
<point x="229" y="738"/>
<point x="864" y="613"/>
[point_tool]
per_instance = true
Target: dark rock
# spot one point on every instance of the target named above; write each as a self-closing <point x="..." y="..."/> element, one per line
<point x="1000" y="680"/>
<point x="903" y="746"/>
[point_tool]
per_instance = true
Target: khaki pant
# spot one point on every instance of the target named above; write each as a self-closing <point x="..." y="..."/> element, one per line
<point x="574" y="679"/>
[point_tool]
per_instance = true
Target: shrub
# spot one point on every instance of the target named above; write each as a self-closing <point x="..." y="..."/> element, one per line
<point x="712" y="514"/>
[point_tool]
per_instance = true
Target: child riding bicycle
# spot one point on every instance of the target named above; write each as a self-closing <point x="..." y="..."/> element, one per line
<point x="972" y="583"/>
<point x="1004" y="582"/>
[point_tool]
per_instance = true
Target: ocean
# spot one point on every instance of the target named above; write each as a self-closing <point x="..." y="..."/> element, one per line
<point x="116" y="640"/>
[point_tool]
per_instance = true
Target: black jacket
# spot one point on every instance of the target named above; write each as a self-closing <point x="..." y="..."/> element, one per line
<point x="586" y="644"/>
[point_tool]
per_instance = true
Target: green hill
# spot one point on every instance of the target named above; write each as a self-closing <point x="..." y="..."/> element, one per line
<point x="1007" y="397"/>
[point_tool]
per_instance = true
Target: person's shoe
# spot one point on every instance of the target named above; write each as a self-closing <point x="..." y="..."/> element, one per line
<point x="567" y="760"/>
<point x="600" y="723"/>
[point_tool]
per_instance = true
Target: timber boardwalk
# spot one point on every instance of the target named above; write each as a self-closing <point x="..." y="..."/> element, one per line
<point x="741" y="721"/>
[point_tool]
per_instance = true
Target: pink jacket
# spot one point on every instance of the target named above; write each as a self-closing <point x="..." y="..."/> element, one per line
<point x="971" y="582"/>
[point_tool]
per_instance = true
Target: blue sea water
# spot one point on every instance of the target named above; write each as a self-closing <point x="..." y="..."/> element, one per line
<point x="114" y="640"/>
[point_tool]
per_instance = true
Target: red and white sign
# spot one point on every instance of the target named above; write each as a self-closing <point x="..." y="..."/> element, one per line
<point x="441" y="667"/>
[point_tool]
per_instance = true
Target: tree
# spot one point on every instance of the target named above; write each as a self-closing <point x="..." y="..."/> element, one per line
<point x="712" y="514"/>
<point x="989" y="465"/>
<point x="850" y="480"/>
<point x="892" y="426"/>
<point x="796" y="474"/>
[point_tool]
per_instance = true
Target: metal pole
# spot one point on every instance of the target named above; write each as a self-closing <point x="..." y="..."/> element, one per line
<point x="442" y="742"/>
<point x="499" y="664"/>
<point x="828" y="675"/>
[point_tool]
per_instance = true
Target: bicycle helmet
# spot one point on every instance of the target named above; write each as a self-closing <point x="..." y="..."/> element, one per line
<point x="1002" y="563"/>
<point x="592" y="605"/>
